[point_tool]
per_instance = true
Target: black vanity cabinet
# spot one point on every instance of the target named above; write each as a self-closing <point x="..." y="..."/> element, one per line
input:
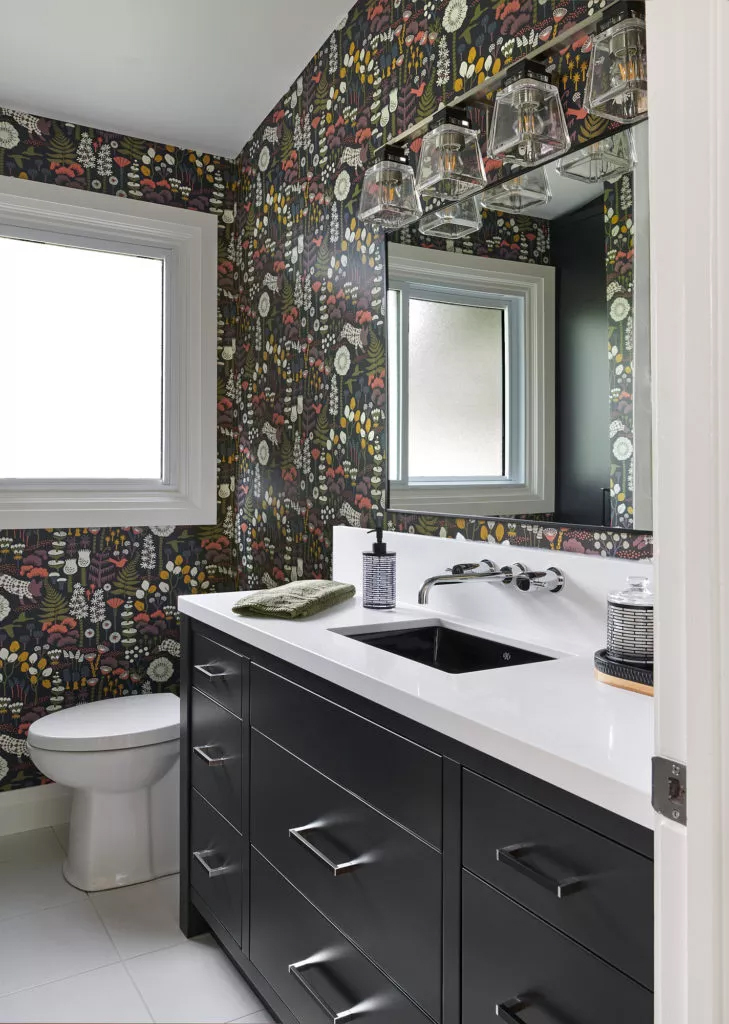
<point x="355" y="865"/>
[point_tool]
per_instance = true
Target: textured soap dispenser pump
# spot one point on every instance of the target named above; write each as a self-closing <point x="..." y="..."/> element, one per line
<point x="378" y="572"/>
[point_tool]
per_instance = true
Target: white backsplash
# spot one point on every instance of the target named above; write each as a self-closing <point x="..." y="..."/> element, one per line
<point x="573" y="620"/>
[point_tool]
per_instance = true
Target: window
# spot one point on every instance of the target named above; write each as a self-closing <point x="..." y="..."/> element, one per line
<point x="108" y="360"/>
<point x="470" y="384"/>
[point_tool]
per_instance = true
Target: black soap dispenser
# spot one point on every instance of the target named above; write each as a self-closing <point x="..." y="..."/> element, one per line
<point x="378" y="572"/>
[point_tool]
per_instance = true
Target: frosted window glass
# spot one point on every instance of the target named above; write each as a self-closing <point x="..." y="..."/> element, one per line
<point x="81" y="350"/>
<point x="455" y="390"/>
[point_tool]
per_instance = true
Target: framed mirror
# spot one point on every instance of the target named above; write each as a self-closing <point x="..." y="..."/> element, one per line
<point x="519" y="359"/>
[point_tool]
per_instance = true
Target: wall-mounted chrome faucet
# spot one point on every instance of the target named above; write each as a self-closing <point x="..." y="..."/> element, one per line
<point x="464" y="572"/>
<point x="551" y="579"/>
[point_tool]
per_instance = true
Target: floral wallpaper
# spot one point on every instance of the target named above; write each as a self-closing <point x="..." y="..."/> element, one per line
<point x="620" y="249"/>
<point x="91" y="614"/>
<point x="502" y="236"/>
<point x="310" y="383"/>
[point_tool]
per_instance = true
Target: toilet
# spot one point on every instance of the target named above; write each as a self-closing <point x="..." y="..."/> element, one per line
<point x="120" y="758"/>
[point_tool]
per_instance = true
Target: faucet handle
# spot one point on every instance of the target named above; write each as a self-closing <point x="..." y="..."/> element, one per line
<point x="551" y="579"/>
<point x="463" y="568"/>
<point x="511" y="572"/>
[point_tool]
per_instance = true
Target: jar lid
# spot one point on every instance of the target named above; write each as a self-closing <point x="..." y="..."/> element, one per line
<point x="638" y="593"/>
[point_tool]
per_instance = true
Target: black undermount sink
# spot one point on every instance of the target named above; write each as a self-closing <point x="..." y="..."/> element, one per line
<point x="448" y="649"/>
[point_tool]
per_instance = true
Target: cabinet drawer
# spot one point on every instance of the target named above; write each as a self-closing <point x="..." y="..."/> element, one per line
<point x="220" y="673"/>
<point x="393" y="774"/>
<point x="216" y="866"/>
<point x="216" y="761"/>
<point x="329" y="975"/>
<point x="606" y="897"/>
<point x="372" y="878"/>
<point x="513" y="963"/>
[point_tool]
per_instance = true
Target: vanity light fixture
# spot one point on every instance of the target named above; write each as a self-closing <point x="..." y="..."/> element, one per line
<point x="454" y="221"/>
<point x="528" y="125"/>
<point x="606" y="160"/>
<point x="451" y="164"/>
<point x="617" y="86"/>
<point x="519" y="194"/>
<point x="389" y="199"/>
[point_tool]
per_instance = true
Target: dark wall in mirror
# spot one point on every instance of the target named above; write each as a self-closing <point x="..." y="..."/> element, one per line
<point x="597" y="460"/>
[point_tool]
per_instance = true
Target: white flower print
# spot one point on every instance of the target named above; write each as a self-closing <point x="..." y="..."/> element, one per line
<point x="455" y="15"/>
<point x="342" y="186"/>
<point x="264" y="304"/>
<point x="4" y="608"/>
<point x="619" y="309"/>
<point x="160" y="670"/>
<point x="615" y="427"/>
<point x="162" y="531"/>
<point x="8" y="135"/>
<point x="264" y="159"/>
<point x="342" y="360"/>
<point x="263" y="453"/>
<point x="623" y="449"/>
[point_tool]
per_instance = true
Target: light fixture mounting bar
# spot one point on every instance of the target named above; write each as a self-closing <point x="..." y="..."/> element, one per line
<point x="477" y="95"/>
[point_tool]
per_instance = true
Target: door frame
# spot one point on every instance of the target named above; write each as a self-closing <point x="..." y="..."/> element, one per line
<point x="689" y="144"/>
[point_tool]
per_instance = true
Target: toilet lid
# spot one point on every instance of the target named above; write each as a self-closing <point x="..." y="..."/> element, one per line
<point x="110" y="724"/>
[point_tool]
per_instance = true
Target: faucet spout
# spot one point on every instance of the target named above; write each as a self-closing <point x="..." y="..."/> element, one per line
<point x="466" y="573"/>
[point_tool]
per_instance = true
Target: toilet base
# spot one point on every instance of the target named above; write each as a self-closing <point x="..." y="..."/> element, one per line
<point x="118" y="839"/>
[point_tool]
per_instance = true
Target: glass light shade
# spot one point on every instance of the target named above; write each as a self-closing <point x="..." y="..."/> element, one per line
<point x="617" y="85"/>
<point x="455" y="221"/>
<point x="528" y="125"/>
<point x="451" y="165"/>
<point x="388" y="197"/>
<point x="519" y="194"/>
<point x="606" y="160"/>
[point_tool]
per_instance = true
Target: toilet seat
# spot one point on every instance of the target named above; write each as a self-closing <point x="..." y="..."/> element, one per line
<point x="111" y="724"/>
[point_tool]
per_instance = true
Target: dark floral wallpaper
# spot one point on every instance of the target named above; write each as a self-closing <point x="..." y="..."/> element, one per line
<point x="88" y="614"/>
<point x="310" y="387"/>
<point x="620" y="250"/>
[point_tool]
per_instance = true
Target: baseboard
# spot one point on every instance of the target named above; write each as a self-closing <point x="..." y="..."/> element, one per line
<point x="34" y="807"/>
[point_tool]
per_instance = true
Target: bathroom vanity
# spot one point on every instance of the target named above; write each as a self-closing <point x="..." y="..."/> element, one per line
<point x="358" y="860"/>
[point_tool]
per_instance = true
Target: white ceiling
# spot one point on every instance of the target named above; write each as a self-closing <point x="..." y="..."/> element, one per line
<point x="200" y="74"/>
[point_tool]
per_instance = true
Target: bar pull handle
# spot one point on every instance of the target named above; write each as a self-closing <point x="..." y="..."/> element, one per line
<point x="512" y="857"/>
<point x="341" y="868"/>
<point x="210" y="760"/>
<point x="211" y="673"/>
<point x="510" y="1010"/>
<point x="201" y="857"/>
<point x="297" y="971"/>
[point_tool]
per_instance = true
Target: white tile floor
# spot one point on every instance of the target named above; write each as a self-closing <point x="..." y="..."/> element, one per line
<point x="113" y="957"/>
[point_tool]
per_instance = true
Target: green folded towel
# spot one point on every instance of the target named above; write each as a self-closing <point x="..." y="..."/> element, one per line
<point x="294" y="600"/>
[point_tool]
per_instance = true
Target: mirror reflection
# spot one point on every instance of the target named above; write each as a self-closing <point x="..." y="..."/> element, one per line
<point x="519" y="354"/>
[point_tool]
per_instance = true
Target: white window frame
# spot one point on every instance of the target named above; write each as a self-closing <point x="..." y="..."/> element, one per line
<point x="526" y="292"/>
<point x="186" y="240"/>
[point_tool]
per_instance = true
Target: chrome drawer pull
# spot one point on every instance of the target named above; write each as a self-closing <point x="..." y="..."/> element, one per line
<point x="297" y="971"/>
<point x="509" y="1011"/>
<point x="511" y="856"/>
<point x="211" y="673"/>
<point x="211" y="762"/>
<point x="336" y="869"/>
<point x="201" y="855"/>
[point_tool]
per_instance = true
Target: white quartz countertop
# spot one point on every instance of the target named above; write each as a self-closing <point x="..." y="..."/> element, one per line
<point x="551" y="719"/>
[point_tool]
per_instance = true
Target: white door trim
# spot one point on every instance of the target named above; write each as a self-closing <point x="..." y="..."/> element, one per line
<point x="689" y="141"/>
